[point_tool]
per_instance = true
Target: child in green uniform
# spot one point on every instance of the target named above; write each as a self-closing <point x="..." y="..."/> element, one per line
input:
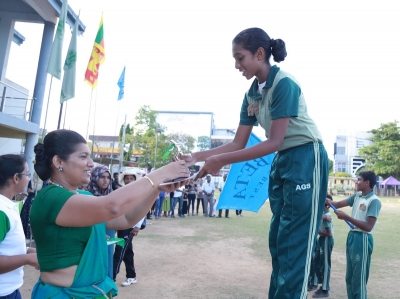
<point x="299" y="173"/>
<point x="323" y="253"/>
<point x="359" y="245"/>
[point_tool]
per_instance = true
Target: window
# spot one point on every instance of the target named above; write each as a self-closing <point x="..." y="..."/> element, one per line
<point x="341" y="150"/>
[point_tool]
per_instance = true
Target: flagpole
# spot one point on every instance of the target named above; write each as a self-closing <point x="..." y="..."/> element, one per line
<point x="65" y="114"/>
<point x="121" y="153"/>
<point x="121" y="85"/>
<point x="94" y="124"/>
<point x="59" y="116"/>
<point x="47" y="109"/>
<point x="90" y="108"/>
<point x="115" y="132"/>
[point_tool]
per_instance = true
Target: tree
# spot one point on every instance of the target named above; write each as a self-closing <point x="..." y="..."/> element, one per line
<point x="330" y="165"/>
<point x="145" y="119"/>
<point x="383" y="156"/>
<point x="186" y="141"/>
<point x="203" y="143"/>
<point x="147" y="137"/>
<point x="128" y="140"/>
<point x="340" y="174"/>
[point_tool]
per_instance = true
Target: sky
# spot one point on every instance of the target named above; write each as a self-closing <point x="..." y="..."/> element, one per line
<point x="178" y="57"/>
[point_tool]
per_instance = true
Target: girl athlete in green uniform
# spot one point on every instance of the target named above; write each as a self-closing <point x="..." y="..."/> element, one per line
<point x="299" y="173"/>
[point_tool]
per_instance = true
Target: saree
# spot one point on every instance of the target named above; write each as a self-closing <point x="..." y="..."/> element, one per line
<point x="91" y="280"/>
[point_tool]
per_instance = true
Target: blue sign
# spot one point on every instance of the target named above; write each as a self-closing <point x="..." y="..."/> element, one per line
<point x="246" y="187"/>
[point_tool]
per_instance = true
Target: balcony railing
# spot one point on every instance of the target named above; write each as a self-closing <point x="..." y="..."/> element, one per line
<point x="15" y="102"/>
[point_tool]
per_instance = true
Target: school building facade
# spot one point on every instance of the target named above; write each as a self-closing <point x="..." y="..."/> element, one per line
<point x="20" y="108"/>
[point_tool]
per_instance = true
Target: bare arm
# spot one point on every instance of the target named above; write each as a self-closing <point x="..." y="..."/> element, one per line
<point x="10" y="263"/>
<point x="239" y="142"/>
<point x="134" y="200"/>
<point x="135" y="214"/>
<point x="327" y="233"/>
<point x="274" y="142"/>
<point x="364" y="225"/>
<point x="337" y="204"/>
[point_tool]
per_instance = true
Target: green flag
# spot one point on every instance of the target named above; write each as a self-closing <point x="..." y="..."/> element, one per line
<point x="68" y="84"/>
<point x="54" y="66"/>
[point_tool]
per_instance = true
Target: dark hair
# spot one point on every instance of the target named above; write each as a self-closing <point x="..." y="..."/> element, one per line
<point x="369" y="176"/>
<point x="252" y="39"/>
<point x="10" y="165"/>
<point x="61" y="143"/>
<point x="329" y="196"/>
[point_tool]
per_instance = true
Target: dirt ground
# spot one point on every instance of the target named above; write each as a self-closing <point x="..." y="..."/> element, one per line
<point x="193" y="258"/>
<point x="172" y="262"/>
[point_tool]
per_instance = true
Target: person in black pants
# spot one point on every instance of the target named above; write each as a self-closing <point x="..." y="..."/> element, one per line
<point x="200" y="196"/>
<point x="126" y="253"/>
<point x="191" y="187"/>
<point x="239" y="213"/>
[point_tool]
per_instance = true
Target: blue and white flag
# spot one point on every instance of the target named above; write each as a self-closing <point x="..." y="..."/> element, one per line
<point x="246" y="187"/>
<point x="121" y="84"/>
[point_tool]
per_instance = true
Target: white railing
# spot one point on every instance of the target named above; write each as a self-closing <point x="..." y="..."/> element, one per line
<point x="15" y="102"/>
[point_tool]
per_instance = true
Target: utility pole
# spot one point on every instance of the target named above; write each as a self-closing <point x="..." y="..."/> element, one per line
<point x="121" y="153"/>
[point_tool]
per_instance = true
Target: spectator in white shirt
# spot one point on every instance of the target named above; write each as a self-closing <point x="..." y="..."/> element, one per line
<point x="208" y="191"/>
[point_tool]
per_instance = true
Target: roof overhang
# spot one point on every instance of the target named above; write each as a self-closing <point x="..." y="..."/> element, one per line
<point x="50" y="10"/>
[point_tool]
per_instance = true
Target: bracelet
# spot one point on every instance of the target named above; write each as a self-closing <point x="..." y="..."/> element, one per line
<point x="151" y="182"/>
<point x="27" y="248"/>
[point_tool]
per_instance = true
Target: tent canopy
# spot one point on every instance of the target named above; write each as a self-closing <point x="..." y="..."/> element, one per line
<point x="390" y="181"/>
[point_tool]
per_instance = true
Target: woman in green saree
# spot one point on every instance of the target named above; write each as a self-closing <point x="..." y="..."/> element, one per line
<point x="69" y="227"/>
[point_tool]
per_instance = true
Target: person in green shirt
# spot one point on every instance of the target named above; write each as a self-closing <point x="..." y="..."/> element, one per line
<point x="360" y="243"/>
<point x="299" y="173"/>
<point x="69" y="228"/>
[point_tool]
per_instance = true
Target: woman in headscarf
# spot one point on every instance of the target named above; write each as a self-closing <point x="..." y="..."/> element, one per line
<point x="100" y="185"/>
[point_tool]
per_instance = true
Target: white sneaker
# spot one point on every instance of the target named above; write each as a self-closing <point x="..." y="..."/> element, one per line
<point x="128" y="282"/>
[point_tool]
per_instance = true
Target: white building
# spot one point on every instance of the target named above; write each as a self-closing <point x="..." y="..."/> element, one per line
<point x="346" y="156"/>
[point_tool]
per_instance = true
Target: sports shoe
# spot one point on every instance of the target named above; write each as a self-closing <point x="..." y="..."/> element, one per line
<point x="311" y="287"/>
<point x="128" y="282"/>
<point x="320" y="293"/>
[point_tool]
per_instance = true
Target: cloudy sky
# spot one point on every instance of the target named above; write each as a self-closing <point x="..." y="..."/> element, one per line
<point x="178" y="57"/>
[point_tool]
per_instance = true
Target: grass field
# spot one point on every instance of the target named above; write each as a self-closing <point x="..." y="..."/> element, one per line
<point x="207" y="258"/>
<point x="385" y="267"/>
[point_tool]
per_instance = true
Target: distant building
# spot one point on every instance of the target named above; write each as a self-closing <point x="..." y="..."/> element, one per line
<point x="346" y="147"/>
<point x="220" y="137"/>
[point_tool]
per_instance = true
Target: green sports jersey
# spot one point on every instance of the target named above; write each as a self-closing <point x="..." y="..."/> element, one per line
<point x="363" y="207"/>
<point x="281" y="98"/>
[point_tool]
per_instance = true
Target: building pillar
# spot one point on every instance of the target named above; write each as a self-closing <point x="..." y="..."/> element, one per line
<point x="38" y="92"/>
<point x="6" y="36"/>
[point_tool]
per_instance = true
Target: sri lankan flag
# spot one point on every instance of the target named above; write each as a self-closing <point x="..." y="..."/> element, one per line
<point x="96" y="58"/>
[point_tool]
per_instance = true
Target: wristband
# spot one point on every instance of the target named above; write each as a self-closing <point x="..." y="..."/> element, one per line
<point x="151" y="182"/>
<point x="27" y="248"/>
